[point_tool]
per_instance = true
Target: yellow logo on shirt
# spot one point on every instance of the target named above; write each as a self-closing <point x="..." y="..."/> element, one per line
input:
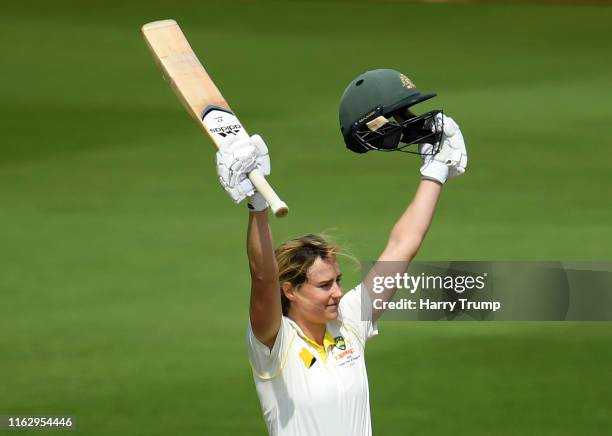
<point x="307" y="357"/>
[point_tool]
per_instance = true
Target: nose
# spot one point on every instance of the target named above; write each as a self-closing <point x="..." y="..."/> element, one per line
<point x="336" y="290"/>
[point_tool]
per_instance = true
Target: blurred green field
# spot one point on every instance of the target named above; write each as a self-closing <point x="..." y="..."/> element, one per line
<point x="124" y="283"/>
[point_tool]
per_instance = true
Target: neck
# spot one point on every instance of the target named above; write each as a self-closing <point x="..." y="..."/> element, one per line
<point x="314" y="331"/>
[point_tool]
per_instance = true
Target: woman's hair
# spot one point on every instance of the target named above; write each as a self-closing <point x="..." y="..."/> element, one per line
<point x="296" y="256"/>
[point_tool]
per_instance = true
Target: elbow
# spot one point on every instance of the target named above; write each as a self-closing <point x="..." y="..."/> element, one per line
<point x="260" y="278"/>
<point x="263" y="269"/>
<point x="406" y="247"/>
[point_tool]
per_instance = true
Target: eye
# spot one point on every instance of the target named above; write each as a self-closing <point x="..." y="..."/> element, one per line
<point x="327" y="285"/>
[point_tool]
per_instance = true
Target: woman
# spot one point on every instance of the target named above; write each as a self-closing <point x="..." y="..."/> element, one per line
<point x="306" y="339"/>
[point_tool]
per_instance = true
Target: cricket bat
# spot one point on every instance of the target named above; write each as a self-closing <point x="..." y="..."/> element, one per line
<point x="199" y="94"/>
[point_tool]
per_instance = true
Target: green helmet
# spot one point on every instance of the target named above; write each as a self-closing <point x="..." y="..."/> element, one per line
<point x="373" y="94"/>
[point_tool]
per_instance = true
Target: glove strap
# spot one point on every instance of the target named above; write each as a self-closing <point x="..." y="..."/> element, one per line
<point x="257" y="203"/>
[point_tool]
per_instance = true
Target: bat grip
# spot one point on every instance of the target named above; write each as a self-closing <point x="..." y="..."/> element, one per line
<point x="277" y="205"/>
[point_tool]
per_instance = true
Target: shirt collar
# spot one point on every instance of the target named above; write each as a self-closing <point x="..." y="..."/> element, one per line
<point x="328" y="339"/>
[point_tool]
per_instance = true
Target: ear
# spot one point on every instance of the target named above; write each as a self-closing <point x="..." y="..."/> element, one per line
<point x="289" y="291"/>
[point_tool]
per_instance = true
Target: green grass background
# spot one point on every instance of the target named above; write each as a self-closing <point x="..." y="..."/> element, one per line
<point x="124" y="284"/>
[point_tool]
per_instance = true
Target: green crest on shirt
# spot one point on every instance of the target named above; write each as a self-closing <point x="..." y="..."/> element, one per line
<point x="339" y="343"/>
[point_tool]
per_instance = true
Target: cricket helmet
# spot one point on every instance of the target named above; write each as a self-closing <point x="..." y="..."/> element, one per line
<point x="368" y="105"/>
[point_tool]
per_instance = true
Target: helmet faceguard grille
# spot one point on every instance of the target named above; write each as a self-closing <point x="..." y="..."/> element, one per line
<point x="426" y="128"/>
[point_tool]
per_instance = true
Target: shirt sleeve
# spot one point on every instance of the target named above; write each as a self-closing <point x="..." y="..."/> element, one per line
<point x="356" y="313"/>
<point x="268" y="363"/>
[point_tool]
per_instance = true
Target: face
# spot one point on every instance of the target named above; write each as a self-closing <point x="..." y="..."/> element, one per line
<point x="317" y="299"/>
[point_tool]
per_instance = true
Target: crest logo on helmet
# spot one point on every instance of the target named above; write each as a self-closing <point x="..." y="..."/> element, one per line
<point x="407" y="82"/>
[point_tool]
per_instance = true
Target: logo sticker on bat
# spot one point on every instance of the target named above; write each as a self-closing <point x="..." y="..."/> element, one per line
<point x="222" y="123"/>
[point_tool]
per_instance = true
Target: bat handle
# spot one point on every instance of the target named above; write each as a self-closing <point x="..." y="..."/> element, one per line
<point x="278" y="206"/>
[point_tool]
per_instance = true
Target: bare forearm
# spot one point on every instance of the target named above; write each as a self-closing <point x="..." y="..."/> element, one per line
<point x="265" y="307"/>
<point x="260" y="248"/>
<point x="410" y="230"/>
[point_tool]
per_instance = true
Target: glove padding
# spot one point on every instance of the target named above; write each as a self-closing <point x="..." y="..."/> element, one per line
<point x="451" y="160"/>
<point x="236" y="159"/>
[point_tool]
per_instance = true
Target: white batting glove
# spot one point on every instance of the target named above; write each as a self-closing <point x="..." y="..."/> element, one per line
<point x="451" y="160"/>
<point x="236" y="159"/>
<point x="256" y="201"/>
<point x="457" y="155"/>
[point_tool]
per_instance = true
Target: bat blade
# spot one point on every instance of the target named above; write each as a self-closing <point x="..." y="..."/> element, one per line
<point x="199" y="94"/>
<point x="181" y="67"/>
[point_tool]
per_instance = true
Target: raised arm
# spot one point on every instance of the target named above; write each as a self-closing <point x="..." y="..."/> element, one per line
<point x="410" y="230"/>
<point x="265" y="307"/>
<point x="405" y="239"/>
<point x="235" y="160"/>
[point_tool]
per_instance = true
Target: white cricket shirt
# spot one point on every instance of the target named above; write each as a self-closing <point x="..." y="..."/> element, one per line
<point x="308" y="390"/>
